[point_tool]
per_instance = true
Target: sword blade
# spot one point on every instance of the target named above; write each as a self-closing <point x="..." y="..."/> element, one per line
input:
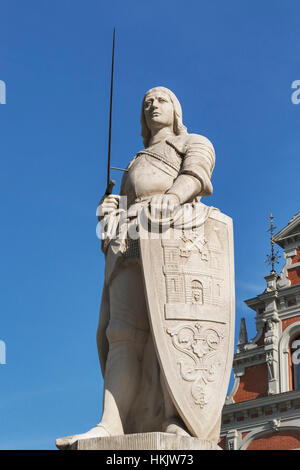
<point x="110" y="184"/>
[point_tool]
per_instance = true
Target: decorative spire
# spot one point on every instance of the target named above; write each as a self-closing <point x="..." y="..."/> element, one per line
<point x="243" y="336"/>
<point x="273" y="258"/>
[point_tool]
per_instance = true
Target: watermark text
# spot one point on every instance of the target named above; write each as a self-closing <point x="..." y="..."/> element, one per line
<point x="2" y="352"/>
<point x="296" y="352"/>
<point x="2" y="92"/>
<point x="295" y="97"/>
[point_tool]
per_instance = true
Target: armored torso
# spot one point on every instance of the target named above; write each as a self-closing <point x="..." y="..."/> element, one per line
<point x="152" y="171"/>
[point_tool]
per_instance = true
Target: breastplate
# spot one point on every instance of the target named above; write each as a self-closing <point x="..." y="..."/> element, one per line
<point x="151" y="172"/>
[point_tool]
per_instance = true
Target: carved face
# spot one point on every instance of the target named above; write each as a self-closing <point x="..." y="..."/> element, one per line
<point x="158" y="110"/>
<point x="196" y="295"/>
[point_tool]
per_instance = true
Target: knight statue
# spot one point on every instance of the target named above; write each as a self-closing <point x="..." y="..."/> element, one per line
<point x="165" y="334"/>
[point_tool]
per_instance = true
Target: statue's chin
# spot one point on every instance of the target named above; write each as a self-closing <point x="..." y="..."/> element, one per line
<point x="158" y="122"/>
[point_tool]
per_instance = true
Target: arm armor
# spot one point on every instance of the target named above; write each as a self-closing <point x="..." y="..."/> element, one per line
<point x="198" y="161"/>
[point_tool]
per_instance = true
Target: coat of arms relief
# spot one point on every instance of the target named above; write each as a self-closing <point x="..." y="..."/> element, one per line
<point x="194" y="276"/>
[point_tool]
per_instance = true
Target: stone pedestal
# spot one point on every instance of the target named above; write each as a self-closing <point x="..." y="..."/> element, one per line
<point x="145" y="441"/>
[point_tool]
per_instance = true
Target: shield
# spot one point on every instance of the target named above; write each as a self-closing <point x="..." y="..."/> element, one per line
<point x="189" y="285"/>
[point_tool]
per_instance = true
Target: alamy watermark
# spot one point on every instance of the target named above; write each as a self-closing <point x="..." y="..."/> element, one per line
<point x="295" y="97"/>
<point x="2" y="352"/>
<point x="2" y="92"/>
<point x="296" y="352"/>
<point x="147" y="220"/>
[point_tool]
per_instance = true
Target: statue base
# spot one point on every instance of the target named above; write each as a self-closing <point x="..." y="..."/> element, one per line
<point x="145" y="441"/>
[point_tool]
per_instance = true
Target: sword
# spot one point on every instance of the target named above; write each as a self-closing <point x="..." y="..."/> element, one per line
<point x="110" y="183"/>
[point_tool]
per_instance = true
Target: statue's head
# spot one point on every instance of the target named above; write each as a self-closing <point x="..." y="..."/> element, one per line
<point x="161" y="108"/>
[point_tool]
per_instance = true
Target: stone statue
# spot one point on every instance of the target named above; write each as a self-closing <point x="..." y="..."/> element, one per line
<point x="165" y="335"/>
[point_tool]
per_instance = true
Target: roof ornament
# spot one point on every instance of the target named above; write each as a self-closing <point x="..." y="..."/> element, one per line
<point x="272" y="258"/>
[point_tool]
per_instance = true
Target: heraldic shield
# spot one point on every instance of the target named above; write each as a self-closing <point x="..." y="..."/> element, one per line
<point x="189" y="284"/>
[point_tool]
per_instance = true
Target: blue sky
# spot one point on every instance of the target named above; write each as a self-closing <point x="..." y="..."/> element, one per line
<point x="231" y="64"/>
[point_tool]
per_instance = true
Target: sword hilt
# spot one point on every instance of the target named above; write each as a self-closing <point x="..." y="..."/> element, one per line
<point x="109" y="187"/>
